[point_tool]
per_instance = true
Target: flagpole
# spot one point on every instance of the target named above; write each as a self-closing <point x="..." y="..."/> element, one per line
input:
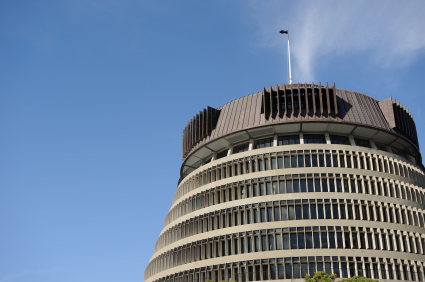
<point x="289" y="54"/>
<point x="289" y="57"/>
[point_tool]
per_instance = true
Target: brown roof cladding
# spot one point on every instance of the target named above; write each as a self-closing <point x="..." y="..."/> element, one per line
<point x="305" y="102"/>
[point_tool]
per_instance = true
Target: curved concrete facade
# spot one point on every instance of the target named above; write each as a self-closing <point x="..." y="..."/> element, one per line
<point x="293" y="180"/>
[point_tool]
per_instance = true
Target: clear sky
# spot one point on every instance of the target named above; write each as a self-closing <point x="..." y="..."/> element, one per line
<point x="94" y="95"/>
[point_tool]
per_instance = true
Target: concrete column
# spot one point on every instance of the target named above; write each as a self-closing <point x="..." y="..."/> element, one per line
<point x="275" y="140"/>
<point x="230" y="151"/>
<point x="352" y="142"/>
<point x="327" y="138"/>
<point x="301" y="138"/>
<point x="214" y="157"/>
<point x="251" y="144"/>
<point x="372" y="143"/>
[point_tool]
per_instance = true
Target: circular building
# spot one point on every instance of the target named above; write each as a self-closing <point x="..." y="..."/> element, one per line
<point x="292" y="180"/>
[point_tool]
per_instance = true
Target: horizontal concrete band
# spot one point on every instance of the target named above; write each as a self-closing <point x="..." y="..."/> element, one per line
<point x="287" y="224"/>
<point x="286" y="253"/>
<point x="275" y="149"/>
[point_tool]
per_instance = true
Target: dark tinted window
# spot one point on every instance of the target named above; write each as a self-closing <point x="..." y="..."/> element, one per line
<point x="362" y="143"/>
<point x="314" y="139"/>
<point x="222" y="154"/>
<point x="241" y="148"/>
<point x="288" y="140"/>
<point x="263" y="143"/>
<point x="343" y="140"/>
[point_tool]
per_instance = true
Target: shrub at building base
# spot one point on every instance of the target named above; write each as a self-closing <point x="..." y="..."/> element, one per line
<point x="321" y="276"/>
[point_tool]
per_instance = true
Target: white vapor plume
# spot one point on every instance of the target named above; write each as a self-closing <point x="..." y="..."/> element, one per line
<point x="391" y="32"/>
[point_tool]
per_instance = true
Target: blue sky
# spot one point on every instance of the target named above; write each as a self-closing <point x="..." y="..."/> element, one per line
<point x="94" y="96"/>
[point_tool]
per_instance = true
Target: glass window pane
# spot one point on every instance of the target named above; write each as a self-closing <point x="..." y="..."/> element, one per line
<point x="294" y="241"/>
<point x="303" y="185"/>
<point x="308" y="240"/>
<point x="296" y="184"/>
<point x="284" y="213"/>
<point x="316" y="240"/>
<point x="276" y="214"/>
<point x="268" y="188"/>
<point x="291" y="212"/>
<point x="301" y="243"/>
<point x="289" y="186"/>
<point x="305" y="212"/>
<point x="280" y="162"/>
<point x="271" y="243"/>
<point x="279" y="242"/>
<point x="298" y="212"/>
<point x="263" y="214"/>
<point x="282" y="187"/>
<point x="310" y="185"/>
<point x="286" y="241"/>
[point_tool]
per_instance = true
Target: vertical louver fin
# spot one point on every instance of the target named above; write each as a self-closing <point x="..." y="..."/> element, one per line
<point x="199" y="128"/>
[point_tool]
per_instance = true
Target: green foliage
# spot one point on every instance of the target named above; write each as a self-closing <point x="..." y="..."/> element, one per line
<point x="321" y="276"/>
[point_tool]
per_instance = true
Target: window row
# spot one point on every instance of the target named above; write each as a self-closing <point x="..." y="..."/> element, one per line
<point x="300" y="159"/>
<point x="316" y="237"/>
<point x="292" y="210"/>
<point x="299" y="267"/>
<point x="307" y="139"/>
<point x="297" y="183"/>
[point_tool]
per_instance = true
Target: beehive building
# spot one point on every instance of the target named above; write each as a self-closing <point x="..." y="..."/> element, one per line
<point x="292" y="180"/>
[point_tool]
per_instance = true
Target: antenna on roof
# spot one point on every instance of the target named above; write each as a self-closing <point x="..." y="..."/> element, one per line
<point x="289" y="54"/>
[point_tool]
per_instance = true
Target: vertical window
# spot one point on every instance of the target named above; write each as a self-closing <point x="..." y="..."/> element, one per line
<point x="291" y="212"/>
<point x="305" y="211"/>
<point x="289" y="186"/>
<point x="275" y="187"/>
<point x="298" y="212"/>
<point x="296" y="186"/>
<point x="276" y="214"/>
<point x="279" y="242"/>
<point x="268" y="188"/>
<point x="307" y="160"/>
<point x="316" y="240"/>
<point x="293" y="160"/>
<point x="324" y="185"/>
<point x="320" y="211"/>
<point x="255" y="190"/>
<point x="263" y="243"/>
<point x="269" y="214"/>
<point x="300" y="160"/>
<point x="267" y="163"/>
<point x="286" y="241"/>
<point x="287" y="162"/>
<point x="262" y="189"/>
<point x="314" y="160"/>
<point x="313" y="213"/>
<point x="294" y="244"/>
<point x="274" y="163"/>
<point x="280" y="162"/>
<point x="271" y="243"/>
<point x="301" y="243"/>
<point x="321" y="160"/>
<point x="284" y="213"/>
<point x="308" y="240"/>
<point x="303" y="185"/>
<point x="282" y="187"/>
<point x="263" y="214"/>
<point x="332" y="240"/>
